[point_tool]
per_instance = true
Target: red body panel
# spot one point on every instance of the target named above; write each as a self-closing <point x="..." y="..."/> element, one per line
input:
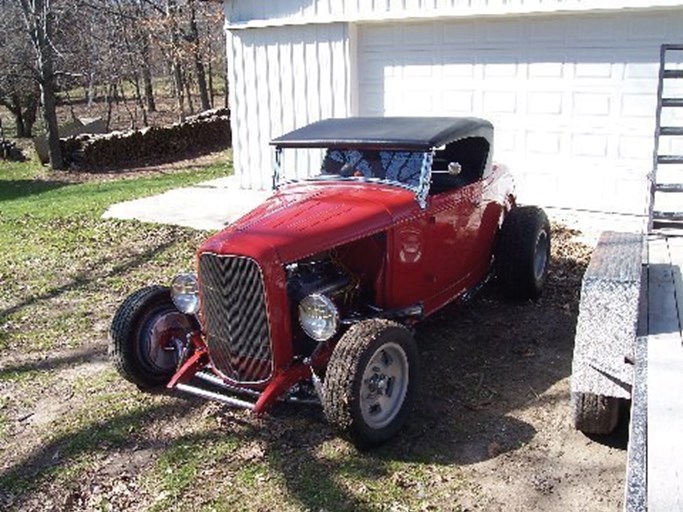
<point x="432" y="255"/>
<point x="447" y="248"/>
<point x="305" y="219"/>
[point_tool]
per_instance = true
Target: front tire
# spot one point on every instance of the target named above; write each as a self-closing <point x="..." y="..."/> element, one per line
<point x="142" y="337"/>
<point x="371" y="381"/>
<point x="523" y="253"/>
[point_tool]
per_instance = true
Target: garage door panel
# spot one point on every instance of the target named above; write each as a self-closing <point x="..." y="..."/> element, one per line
<point x="375" y="68"/>
<point x="638" y="105"/>
<point x="500" y="102"/>
<point x="545" y="103"/>
<point x="495" y="32"/>
<point x="465" y="68"/>
<point x="543" y="143"/>
<point x="501" y="66"/>
<point x="589" y="145"/>
<point x="563" y="91"/>
<point x="456" y="33"/>
<point x="549" y="31"/>
<point x="547" y="67"/>
<point x="458" y="103"/>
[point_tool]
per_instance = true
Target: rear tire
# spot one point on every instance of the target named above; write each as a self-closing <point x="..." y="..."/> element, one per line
<point x="142" y="334"/>
<point x="371" y="382"/>
<point x="595" y="414"/>
<point x="523" y="253"/>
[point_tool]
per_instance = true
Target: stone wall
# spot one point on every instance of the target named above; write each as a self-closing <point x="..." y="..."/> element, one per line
<point x="203" y="133"/>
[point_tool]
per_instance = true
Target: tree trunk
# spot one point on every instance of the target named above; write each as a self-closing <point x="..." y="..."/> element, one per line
<point x="138" y="99"/>
<point x="149" y="88"/>
<point x="211" y="84"/>
<point x="19" y="123"/>
<point x="29" y="115"/>
<point x="176" y="68"/>
<point x="38" y="15"/>
<point x="110" y="101"/>
<point x="90" y="94"/>
<point x="47" y="84"/>
<point x="49" y="100"/>
<point x="147" y="76"/>
<point x="226" y="95"/>
<point x="188" y="93"/>
<point x="197" y="58"/>
<point x="178" y="86"/>
<point x="201" y="82"/>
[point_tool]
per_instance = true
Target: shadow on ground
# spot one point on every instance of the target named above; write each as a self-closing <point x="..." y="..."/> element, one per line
<point x="479" y="365"/>
<point x="91" y="354"/>
<point x="16" y="189"/>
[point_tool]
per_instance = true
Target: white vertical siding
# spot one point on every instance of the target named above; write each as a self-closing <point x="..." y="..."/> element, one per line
<point x="245" y="12"/>
<point x="283" y="78"/>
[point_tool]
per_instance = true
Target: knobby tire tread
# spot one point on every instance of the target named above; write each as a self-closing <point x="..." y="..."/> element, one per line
<point x="595" y="414"/>
<point x="343" y="371"/>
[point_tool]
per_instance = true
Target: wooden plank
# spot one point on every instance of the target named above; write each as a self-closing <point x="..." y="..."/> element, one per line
<point x="664" y="384"/>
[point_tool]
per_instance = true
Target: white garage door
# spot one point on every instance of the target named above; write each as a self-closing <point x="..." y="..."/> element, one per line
<point x="572" y="97"/>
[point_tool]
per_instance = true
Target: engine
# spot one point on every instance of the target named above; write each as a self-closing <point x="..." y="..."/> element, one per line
<point x="323" y="275"/>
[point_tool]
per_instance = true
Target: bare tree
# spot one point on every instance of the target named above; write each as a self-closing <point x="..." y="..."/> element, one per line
<point x="195" y="48"/>
<point x="19" y="90"/>
<point x="114" y="48"/>
<point x="39" y="18"/>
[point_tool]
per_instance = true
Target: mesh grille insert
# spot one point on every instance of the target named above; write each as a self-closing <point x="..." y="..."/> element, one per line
<point x="235" y="317"/>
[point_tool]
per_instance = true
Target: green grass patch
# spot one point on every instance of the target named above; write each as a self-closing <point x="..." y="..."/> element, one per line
<point x="63" y="268"/>
<point x="187" y="464"/>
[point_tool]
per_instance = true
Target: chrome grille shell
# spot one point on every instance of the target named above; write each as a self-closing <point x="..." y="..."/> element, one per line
<point x="235" y="317"/>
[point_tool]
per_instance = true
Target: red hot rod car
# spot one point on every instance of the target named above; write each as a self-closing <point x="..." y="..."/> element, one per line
<point x="312" y="295"/>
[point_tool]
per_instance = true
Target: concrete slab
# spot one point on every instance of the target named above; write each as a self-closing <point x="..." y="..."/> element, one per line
<point x="209" y="205"/>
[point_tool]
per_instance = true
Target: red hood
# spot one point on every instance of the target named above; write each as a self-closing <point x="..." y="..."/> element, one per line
<point x="304" y="219"/>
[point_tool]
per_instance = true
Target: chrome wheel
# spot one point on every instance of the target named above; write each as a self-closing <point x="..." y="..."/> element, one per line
<point x="158" y="337"/>
<point x="384" y="385"/>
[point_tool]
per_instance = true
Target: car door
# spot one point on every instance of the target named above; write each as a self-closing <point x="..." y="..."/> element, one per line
<point x="453" y="218"/>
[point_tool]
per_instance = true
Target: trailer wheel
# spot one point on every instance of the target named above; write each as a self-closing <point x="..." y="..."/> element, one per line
<point x="371" y="381"/>
<point x="594" y="414"/>
<point x="142" y="337"/>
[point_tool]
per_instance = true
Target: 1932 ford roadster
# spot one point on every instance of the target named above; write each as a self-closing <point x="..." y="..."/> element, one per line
<point x="312" y="295"/>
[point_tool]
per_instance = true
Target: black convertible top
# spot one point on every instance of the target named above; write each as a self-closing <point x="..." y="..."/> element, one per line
<point x="414" y="133"/>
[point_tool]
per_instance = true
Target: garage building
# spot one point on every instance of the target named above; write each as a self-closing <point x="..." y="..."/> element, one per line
<point x="570" y="85"/>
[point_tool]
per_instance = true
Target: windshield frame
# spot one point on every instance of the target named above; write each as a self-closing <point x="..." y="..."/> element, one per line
<point x="421" y="191"/>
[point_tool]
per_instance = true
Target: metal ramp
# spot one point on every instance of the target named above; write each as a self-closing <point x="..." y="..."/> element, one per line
<point x="666" y="201"/>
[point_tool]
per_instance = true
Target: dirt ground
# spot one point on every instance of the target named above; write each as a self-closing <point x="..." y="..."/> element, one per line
<point x="491" y="431"/>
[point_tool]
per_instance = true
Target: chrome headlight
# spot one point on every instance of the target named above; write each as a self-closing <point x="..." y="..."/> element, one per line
<point x="318" y="317"/>
<point x="185" y="293"/>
